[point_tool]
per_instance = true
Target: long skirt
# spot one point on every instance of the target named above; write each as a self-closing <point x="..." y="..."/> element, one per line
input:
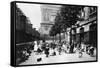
<point x="35" y="47"/>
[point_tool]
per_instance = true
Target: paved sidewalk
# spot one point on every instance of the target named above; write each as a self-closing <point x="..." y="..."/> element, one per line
<point x="57" y="59"/>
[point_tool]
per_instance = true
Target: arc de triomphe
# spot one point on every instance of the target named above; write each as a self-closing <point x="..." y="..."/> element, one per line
<point x="48" y="13"/>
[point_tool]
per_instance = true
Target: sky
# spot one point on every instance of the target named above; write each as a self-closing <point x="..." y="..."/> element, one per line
<point x="33" y="12"/>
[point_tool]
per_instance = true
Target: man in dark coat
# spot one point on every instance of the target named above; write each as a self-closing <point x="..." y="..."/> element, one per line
<point x="47" y="50"/>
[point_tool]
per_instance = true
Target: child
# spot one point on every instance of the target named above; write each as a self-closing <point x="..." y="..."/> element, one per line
<point x="79" y="49"/>
<point x="80" y="52"/>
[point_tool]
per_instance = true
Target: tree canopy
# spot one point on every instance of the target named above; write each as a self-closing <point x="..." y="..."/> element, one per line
<point x="66" y="17"/>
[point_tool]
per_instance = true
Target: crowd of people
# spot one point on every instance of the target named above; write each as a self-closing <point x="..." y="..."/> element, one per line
<point x="51" y="49"/>
<point x="54" y="48"/>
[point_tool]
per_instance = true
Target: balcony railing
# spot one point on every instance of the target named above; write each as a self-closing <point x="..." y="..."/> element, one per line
<point x="93" y="14"/>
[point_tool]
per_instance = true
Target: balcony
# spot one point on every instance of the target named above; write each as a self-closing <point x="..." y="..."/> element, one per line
<point x="93" y="14"/>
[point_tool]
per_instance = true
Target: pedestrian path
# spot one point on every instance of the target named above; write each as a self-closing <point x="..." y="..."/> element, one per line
<point x="57" y="59"/>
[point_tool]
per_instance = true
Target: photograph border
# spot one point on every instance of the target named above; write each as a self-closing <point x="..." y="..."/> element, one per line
<point x="13" y="33"/>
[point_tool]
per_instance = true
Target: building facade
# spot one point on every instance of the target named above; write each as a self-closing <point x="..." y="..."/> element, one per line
<point x="24" y="30"/>
<point x="86" y="29"/>
<point x="48" y="13"/>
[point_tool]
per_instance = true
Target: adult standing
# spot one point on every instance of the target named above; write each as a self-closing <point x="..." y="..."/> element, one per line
<point x="47" y="50"/>
<point x="35" y="46"/>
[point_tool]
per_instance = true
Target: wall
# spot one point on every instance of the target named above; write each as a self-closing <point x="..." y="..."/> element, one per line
<point x="5" y="34"/>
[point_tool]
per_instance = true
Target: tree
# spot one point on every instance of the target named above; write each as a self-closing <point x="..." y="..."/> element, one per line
<point x="35" y="34"/>
<point x="66" y="18"/>
<point x="70" y="15"/>
<point x="56" y="27"/>
<point x="52" y="32"/>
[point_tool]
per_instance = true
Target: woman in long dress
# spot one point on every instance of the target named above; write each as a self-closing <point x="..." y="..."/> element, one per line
<point x="35" y="46"/>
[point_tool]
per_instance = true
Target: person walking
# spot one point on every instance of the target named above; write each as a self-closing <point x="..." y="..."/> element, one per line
<point x="47" y="50"/>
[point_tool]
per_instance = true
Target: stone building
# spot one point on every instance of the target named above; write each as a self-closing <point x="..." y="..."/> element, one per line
<point x="86" y="29"/>
<point x="48" y="13"/>
<point x="24" y="30"/>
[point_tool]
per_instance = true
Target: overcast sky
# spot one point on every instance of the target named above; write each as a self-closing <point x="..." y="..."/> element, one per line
<point x="33" y="12"/>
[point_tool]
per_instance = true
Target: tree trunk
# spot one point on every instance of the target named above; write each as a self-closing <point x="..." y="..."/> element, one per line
<point x="59" y="38"/>
<point x="53" y="38"/>
<point x="66" y="35"/>
<point x="70" y="36"/>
